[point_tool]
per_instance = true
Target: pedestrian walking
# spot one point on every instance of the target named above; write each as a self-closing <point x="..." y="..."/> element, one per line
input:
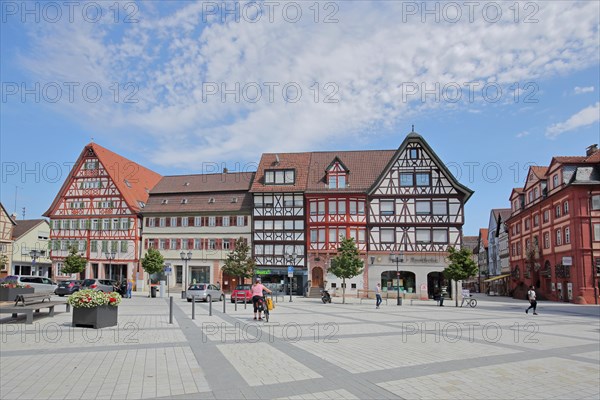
<point x="532" y="300"/>
<point x="378" y="295"/>
<point x="129" y="287"/>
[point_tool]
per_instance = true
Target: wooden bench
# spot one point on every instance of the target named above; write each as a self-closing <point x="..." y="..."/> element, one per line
<point x="30" y="302"/>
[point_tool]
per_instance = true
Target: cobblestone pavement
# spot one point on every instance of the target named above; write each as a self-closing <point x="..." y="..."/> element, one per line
<point x="308" y="350"/>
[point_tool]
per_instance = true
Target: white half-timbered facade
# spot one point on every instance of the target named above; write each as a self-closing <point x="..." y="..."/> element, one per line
<point x="416" y="207"/>
<point x="98" y="211"/>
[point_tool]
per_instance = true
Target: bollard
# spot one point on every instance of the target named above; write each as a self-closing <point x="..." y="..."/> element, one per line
<point x="245" y="300"/>
<point x="236" y="300"/>
<point x="209" y="299"/>
<point x="224" y="302"/>
<point x="171" y="310"/>
<point x="194" y="307"/>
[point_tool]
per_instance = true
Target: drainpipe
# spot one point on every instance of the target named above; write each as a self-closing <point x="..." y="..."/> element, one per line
<point x="594" y="272"/>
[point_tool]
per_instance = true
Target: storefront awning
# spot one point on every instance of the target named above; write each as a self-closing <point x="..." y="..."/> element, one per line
<point x="496" y="278"/>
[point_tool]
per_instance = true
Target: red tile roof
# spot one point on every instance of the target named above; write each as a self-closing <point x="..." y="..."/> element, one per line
<point x="539" y="172"/>
<point x="140" y="180"/>
<point x="297" y="161"/>
<point x="204" y="183"/>
<point x="483" y="233"/>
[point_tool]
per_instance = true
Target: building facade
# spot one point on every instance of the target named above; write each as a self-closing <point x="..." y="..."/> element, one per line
<point x="554" y="230"/>
<point x="7" y="224"/>
<point x="98" y="211"/>
<point x="31" y="248"/>
<point x="195" y="220"/>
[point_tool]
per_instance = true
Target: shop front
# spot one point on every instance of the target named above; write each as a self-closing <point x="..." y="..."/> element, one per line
<point x="277" y="278"/>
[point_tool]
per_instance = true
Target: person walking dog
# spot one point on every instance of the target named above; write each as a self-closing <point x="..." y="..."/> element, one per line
<point x="532" y="300"/>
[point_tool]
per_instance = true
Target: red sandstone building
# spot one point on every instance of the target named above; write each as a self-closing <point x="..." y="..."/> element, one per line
<point x="554" y="230"/>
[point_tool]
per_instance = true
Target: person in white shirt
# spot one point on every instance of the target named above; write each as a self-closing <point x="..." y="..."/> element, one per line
<point x="532" y="300"/>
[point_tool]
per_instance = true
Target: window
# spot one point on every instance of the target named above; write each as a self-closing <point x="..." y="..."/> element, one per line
<point x="212" y="221"/>
<point x="59" y="267"/>
<point x="332" y="207"/>
<point x="527" y="224"/>
<point x="163" y="244"/>
<point x="197" y="221"/>
<point x="536" y="220"/>
<point x="81" y="245"/>
<point x="422" y="179"/>
<point x="184" y="221"/>
<point x="567" y="235"/>
<point x="518" y="227"/>
<point x="94" y="246"/>
<point x="212" y="244"/>
<point x="557" y="211"/>
<point x="226" y="221"/>
<point x="387" y="207"/>
<point x="115" y="224"/>
<point x="596" y="232"/>
<point x="387" y="235"/>
<point x="406" y="180"/>
<point x="184" y="244"/>
<point x="423" y="236"/>
<point x="546" y="215"/>
<point x="530" y="197"/>
<point x="125" y="224"/>
<point x="113" y="246"/>
<point x="565" y="208"/>
<point x="555" y="181"/>
<point x="162" y="222"/>
<point x="596" y="202"/>
<point x="150" y="222"/>
<point x="547" y="240"/>
<point x="104" y="246"/>
<point x="106" y="224"/>
<point x="440" y="207"/>
<point x="333" y="235"/>
<point x="337" y="180"/>
<point x="226" y="244"/>
<point x="440" y="236"/>
<point x="423" y="207"/>
<point x="280" y="177"/>
<point x="240" y="220"/>
<point x="535" y="193"/>
<point x="197" y="244"/>
<point x="558" y="237"/>
<point x="124" y="246"/>
<point x="173" y="221"/>
<point x="413" y="154"/>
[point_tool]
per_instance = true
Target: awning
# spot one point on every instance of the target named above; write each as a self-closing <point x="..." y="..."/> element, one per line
<point x="496" y="278"/>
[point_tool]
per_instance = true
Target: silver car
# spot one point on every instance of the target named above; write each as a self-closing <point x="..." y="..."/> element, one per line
<point x="204" y="292"/>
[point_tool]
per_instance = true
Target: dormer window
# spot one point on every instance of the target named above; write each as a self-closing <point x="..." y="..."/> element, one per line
<point x="184" y="201"/>
<point x="280" y="177"/>
<point x="165" y="201"/>
<point x="337" y="175"/>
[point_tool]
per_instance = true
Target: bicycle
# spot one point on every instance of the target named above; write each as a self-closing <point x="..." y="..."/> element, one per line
<point x="262" y="306"/>
<point x="470" y="302"/>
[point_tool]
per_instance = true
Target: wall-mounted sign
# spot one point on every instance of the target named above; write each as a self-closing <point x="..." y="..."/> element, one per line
<point x="567" y="261"/>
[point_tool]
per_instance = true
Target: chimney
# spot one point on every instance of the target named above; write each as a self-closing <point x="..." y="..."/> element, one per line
<point x="225" y="170"/>
<point x="13" y="216"/>
<point x="591" y="150"/>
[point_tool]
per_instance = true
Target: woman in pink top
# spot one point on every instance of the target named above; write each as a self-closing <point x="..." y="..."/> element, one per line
<point x="257" y="294"/>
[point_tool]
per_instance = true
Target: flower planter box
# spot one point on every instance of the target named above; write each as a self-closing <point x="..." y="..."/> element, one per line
<point x="97" y="317"/>
<point x="10" y="294"/>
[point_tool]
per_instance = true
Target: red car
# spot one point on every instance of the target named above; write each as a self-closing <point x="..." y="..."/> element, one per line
<point x="242" y="293"/>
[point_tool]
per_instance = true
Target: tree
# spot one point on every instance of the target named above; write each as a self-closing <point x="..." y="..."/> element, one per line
<point x="153" y="262"/>
<point x="3" y="261"/>
<point x="347" y="264"/>
<point x="460" y="267"/>
<point x="74" y="263"/>
<point x="239" y="262"/>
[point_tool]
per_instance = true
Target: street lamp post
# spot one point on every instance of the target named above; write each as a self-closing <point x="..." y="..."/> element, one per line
<point x="185" y="257"/>
<point x="291" y="258"/>
<point x="34" y="254"/>
<point x="398" y="258"/>
<point x="110" y="256"/>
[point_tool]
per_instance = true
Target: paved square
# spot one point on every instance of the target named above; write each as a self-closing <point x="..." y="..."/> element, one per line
<point x="308" y="350"/>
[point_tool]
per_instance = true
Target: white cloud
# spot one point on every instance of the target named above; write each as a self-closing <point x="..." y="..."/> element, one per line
<point x="372" y="56"/>
<point x="523" y="134"/>
<point x="586" y="89"/>
<point x="585" y="117"/>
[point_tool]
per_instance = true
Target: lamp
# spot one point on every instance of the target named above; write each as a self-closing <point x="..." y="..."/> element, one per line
<point x="110" y="256"/>
<point x="398" y="258"/>
<point x="185" y="257"/>
<point x="291" y="259"/>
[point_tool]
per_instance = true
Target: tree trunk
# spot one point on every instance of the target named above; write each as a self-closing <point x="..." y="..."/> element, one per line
<point x="455" y="293"/>
<point x="343" y="290"/>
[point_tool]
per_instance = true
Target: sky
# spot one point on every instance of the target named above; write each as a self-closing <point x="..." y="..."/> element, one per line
<point x="192" y="87"/>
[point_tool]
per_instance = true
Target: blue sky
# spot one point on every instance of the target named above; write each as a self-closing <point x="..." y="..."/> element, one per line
<point x="189" y="87"/>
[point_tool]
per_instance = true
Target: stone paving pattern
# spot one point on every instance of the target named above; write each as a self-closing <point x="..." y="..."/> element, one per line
<point x="308" y="350"/>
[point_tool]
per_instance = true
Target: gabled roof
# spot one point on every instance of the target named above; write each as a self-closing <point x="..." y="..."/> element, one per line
<point x="25" y="225"/>
<point x="201" y="183"/>
<point x="415" y="137"/>
<point x="280" y="161"/>
<point x="133" y="181"/>
<point x="363" y="166"/>
<point x="515" y="191"/>
<point x="483" y="235"/>
<point x="7" y="214"/>
<point x="539" y="172"/>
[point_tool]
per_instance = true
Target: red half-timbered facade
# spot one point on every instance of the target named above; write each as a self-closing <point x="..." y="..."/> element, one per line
<point x="98" y="210"/>
<point x="554" y="230"/>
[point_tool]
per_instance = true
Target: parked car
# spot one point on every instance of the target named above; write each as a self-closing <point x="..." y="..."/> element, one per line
<point x="242" y="293"/>
<point x="202" y="291"/>
<point x="102" y="285"/>
<point x="68" y="287"/>
<point x="38" y="283"/>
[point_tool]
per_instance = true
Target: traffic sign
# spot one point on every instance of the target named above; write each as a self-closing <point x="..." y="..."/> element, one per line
<point x="290" y="271"/>
<point x="168" y="270"/>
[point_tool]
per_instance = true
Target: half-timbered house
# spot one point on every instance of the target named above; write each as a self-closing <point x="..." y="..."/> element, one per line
<point x="7" y="224"/>
<point x="416" y="210"/>
<point x="98" y="211"/>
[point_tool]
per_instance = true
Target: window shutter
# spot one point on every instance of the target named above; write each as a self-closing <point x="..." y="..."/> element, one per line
<point x="245" y="220"/>
<point x="204" y="221"/>
<point x="156" y="243"/>
<point x="219" y="244"/>
<point x="231" y="244"/>
<point x="146" y="244"/>
<point x="177" y="244"/>
<point x="167" y="221"/>
<point x="157" y="222"/>
<point x="190" y="221"/>
<point x="219" y="221"/>
<point x="178" y="221"/>
<point x="190" y="243"/>
<point x="147" y="222"/>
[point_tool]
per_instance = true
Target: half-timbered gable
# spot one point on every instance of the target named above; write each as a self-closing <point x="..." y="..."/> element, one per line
<point x="201" y="216"/>
<point x="415" y="212"/>
<point x="7" y="223"/>
<point x="98" y="211"/>
<point x="416" y="204"/>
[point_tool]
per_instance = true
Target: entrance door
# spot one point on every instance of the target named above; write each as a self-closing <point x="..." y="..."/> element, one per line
<point x="317" y="277"/>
